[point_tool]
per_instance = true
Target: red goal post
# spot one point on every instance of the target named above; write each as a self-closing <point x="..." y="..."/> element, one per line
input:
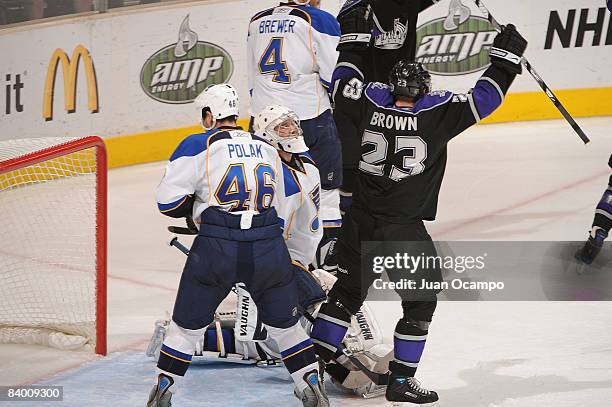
<point x="54" y="252"/>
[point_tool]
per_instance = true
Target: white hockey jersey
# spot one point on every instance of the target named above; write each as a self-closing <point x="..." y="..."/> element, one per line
<point x="227" y="168"/>
<point x="291" y="54"/>
<point x="300" y="211"/>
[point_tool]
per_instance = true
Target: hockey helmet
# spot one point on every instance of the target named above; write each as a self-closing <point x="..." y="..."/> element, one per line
<point x="221" y="100"/>
<point x="280" y="127"/>
<point x="411" y="79"/>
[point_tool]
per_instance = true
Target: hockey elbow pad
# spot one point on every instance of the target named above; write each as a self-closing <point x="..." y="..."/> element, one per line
<point x="355" y="26"/>
<point x="507" y="50"/>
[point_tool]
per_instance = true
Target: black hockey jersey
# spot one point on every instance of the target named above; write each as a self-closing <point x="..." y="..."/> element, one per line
<point x="402" y="152"/>
<point x="394" y="35"/>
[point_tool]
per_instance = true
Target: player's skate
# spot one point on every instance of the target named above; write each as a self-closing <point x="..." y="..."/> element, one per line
<point x="407" y="391"/>
<point x="314" y="395"/>
<point x="160" y="394"/>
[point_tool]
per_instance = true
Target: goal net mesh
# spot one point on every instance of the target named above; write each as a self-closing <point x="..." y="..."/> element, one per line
<point x="48" y="245"/>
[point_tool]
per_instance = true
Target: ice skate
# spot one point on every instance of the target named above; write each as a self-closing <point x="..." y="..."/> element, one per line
<point x="407" y="391"/>
<point x="314" y="395"/>
<point x="160" y="394"/>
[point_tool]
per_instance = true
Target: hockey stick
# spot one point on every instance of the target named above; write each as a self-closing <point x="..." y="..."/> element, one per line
<point x="568" y="117"/>
<point x="181" y="230"/>
<point x="174" y="242"/>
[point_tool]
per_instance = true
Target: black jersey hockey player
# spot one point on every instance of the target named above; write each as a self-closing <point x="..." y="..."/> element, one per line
<point x="601" y="225"/>
<point x="386" y="34"/>
<point x="403" y="132"/>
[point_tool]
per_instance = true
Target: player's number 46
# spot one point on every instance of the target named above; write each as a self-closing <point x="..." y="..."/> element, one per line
<point x="234" y="190"/>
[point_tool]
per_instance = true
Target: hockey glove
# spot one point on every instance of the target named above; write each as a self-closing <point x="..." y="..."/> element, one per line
<point x="591" y="248"/>
<point x="507" y="50"/>
<point x="355" y="26"/>
<point x="191" y="225"/>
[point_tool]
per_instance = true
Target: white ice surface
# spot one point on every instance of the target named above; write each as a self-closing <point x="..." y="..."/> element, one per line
<point x="525" y="181"/>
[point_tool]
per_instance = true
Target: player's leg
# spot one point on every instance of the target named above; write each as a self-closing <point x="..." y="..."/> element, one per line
<point x="321" y="137"/>
<point x="410" y="334"/>
<point x="273" y="285"/>
<point x="348" y="293"/>
<point x="602" y="223"/>
<point x="409" y="341"/>
<point x="202" y="288"/>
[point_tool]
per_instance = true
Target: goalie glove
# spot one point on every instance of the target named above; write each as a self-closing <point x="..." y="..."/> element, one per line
<point x="355" y="26"/>
<point x="507" y="50"/>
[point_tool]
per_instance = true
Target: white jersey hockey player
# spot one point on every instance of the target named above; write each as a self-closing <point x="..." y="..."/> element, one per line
<point x="291" y="54"/>
<point x="230" y="181"/>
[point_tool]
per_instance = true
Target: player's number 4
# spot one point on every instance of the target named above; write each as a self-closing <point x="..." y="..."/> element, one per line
<point x="271" y="62"/>
<point x="412" y="148"/>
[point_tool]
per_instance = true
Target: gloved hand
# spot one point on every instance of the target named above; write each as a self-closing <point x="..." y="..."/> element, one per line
<point x="355" y="26"/>
<point x="191" y="225"/>
<point x="507" y="50"/>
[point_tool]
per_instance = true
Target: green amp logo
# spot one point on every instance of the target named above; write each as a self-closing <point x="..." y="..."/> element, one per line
<point x="457" y="44"/>
<point x="178" y="72"/>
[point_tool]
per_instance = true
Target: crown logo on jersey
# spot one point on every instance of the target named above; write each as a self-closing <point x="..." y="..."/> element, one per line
<point x="186" y="35"/>
<point x="393" y="39"/>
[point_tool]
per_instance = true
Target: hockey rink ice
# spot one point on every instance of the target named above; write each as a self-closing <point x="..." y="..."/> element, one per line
<point x="532" y="181"/>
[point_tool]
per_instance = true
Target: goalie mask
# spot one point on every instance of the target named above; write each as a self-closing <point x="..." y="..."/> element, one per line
<point x="280" y="127"/>
<point x="221" y="100"/>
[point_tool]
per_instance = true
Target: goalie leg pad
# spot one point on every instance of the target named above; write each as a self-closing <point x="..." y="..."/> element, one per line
<point x="177" y="349"/>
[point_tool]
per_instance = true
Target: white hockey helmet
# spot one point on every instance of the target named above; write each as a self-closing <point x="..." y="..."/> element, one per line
<point x="280" y="127"/>
<point x="301" y="2"/>
<point x="221" y="100"/>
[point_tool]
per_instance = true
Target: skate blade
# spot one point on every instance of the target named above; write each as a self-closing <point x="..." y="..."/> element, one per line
<point x="377" y="392"/>
<point x="407" y="404"/>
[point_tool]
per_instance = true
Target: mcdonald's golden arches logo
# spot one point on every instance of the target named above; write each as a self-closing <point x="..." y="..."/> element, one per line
<point x="70" y="68"/>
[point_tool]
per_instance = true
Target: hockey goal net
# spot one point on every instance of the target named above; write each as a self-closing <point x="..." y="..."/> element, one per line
<point x="53" y="242"/>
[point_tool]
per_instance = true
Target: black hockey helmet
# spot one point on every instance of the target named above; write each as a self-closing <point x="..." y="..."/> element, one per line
<point x="411" y="79"/>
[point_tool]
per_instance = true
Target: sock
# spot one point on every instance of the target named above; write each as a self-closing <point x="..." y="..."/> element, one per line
<point x="297" y="352"/>
<point x="177" y="350"/>
<point x="329" y="330"/>
<point x="409" y="342"/>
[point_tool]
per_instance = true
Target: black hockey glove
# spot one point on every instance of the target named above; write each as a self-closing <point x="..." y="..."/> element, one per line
<point x="191" y="224"/>
<point x="507" y="50"/>
<point x="355" y="26"/>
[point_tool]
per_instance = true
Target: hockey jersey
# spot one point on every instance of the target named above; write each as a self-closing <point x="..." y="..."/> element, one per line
<point x="401" y="152"/>
<point x="291" y="54"/>
<point x="227" y="168"/>
<point x="300" y="213"/>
